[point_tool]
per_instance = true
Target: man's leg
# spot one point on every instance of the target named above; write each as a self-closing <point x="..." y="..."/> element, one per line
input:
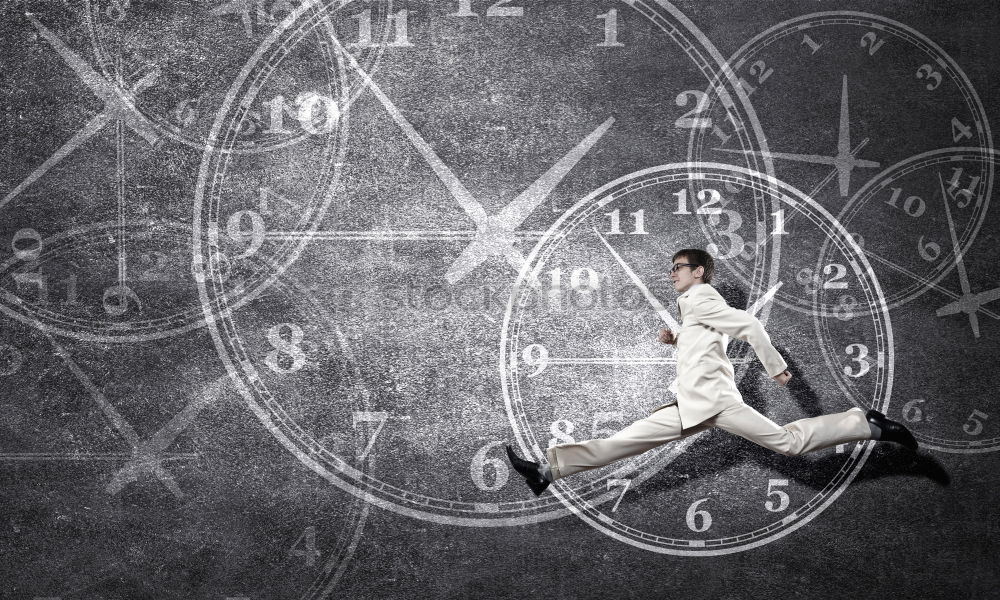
<point x="797" y="437"/>
<point x="660" y="427"/>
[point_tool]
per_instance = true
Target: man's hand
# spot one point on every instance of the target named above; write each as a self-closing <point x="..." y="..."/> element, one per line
<point x="667" y="336"/>
<point x="783" y="377"/>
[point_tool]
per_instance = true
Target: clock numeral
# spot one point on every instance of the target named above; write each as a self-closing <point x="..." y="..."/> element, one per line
<point x="561" y="430"/>
<point x="955" y="182"/>
<point x="624" y="485"/>
<point x="864" y="364"/>
<point x="535" y="355"/>
<point x="690" y="119"/>
<point x="779" y="222"/>
<point x="912" y="412"/>
<point x="973" y="425"/>
<point x="477" y="469"/>
<point x="116" y="299"/>
<point x="845" y="308"/>
<point x="693" y="513"/>
<point x="495" y="10"/>
<point x="30" y="253"/>
<point x="714" y="197"/>
<point x="760" y="70"/>
<point x="783" y="499"/>
<point x="37" y="280"/>
<point x="959" y="130"/>
<point x="610" y="30"/>
<point x="808" y="41"/>
<point x="832" y="283"/>
<point x="576" y="280"/>
<point x="369" y="416"/>
<point x="292" y="348"/>
<point x="254" y="235"/>
<point x="400" y="21"/>
<point x="913" y="205"/>
<point x="871" y="40"/>
<point x="927" y="72"/>
<point x="308" y="546"/>
<point x="929" y="251"/>
<point x="616" y="222"/>
<point x="737" y="246"/>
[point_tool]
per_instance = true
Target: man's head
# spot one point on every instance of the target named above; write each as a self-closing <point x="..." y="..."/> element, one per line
<point x="691" y="266"/>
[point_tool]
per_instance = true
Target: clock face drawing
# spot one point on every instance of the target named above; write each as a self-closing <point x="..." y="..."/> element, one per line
<point x="460" y="152"/>
<point x="179" y="87"/>
<point x="843" y="97"/>
<point x="135" y="470"/>
<point x="578" y="368"/>
<point x="119" y="167"/>
<point x="911" y="220"/>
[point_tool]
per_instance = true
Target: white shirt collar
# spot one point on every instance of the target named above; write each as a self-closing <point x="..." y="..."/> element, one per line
<point x="693" y="286"/>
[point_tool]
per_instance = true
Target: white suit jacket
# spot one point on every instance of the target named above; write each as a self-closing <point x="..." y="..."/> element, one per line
<point x="706" y="381"/>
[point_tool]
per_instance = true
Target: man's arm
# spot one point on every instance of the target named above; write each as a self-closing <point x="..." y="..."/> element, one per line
<point x="739" y="324"/>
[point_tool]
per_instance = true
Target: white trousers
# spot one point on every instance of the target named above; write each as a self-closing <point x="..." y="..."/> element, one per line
<point x="664" y="425"/>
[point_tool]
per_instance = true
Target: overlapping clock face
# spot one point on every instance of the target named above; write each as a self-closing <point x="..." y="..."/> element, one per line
<point x="97" y="209"/>
<point x="136" y="471"/>
<point x="912" y="219"/>
<point x="879" y="93"/>
<point x="576" y="368"/>
<point x="476" y="130"/>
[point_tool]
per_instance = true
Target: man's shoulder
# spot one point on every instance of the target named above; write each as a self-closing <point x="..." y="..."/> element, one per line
<point x="703" y="291"/>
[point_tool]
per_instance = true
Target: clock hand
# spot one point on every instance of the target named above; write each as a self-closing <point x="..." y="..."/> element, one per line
<point x="963" y="277"/>
<point x="845" y="161"/>
<point x="518" y="210"/>
<point x="756" y="307"/>
<point x="116" y="106"/>
<point x="969" y="304"/>
<point x="114" y="98"/>
<point x="665" y="316"/>
<point x="149" y="453"/>
<point x="844" y="131"/>
<point x="457" y="189"/>
<point x="497" y="236"/>
<point x="819" y="159"/>
<point x="844" y="156"/>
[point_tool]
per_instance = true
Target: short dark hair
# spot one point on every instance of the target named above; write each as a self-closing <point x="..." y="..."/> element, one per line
<point x="697" y="257"/>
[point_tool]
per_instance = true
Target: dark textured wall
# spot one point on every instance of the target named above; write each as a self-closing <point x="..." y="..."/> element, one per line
<point x="280" y="281"/>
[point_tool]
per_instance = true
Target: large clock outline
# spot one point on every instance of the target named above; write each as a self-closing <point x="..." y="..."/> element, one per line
<point x="516" y="367"/>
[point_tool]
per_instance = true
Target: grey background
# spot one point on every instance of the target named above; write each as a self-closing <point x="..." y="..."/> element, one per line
<point x="913" y="526"/>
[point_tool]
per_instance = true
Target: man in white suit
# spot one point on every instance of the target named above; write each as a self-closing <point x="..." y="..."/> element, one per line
<point x="706" y="391"/>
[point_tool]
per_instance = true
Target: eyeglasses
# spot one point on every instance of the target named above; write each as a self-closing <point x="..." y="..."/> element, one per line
<point x="679" y="265"/>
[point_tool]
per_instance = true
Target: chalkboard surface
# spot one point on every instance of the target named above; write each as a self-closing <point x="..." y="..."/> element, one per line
<point x="280" y="281"/>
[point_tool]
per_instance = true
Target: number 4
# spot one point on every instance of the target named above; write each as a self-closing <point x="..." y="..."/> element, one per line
<point x="959" y="131"/>
<point x="308" y="550"/>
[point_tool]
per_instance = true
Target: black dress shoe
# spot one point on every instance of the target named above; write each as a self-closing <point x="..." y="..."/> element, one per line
<point x="529" y="470"/>
<point x="892" y="431"/>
